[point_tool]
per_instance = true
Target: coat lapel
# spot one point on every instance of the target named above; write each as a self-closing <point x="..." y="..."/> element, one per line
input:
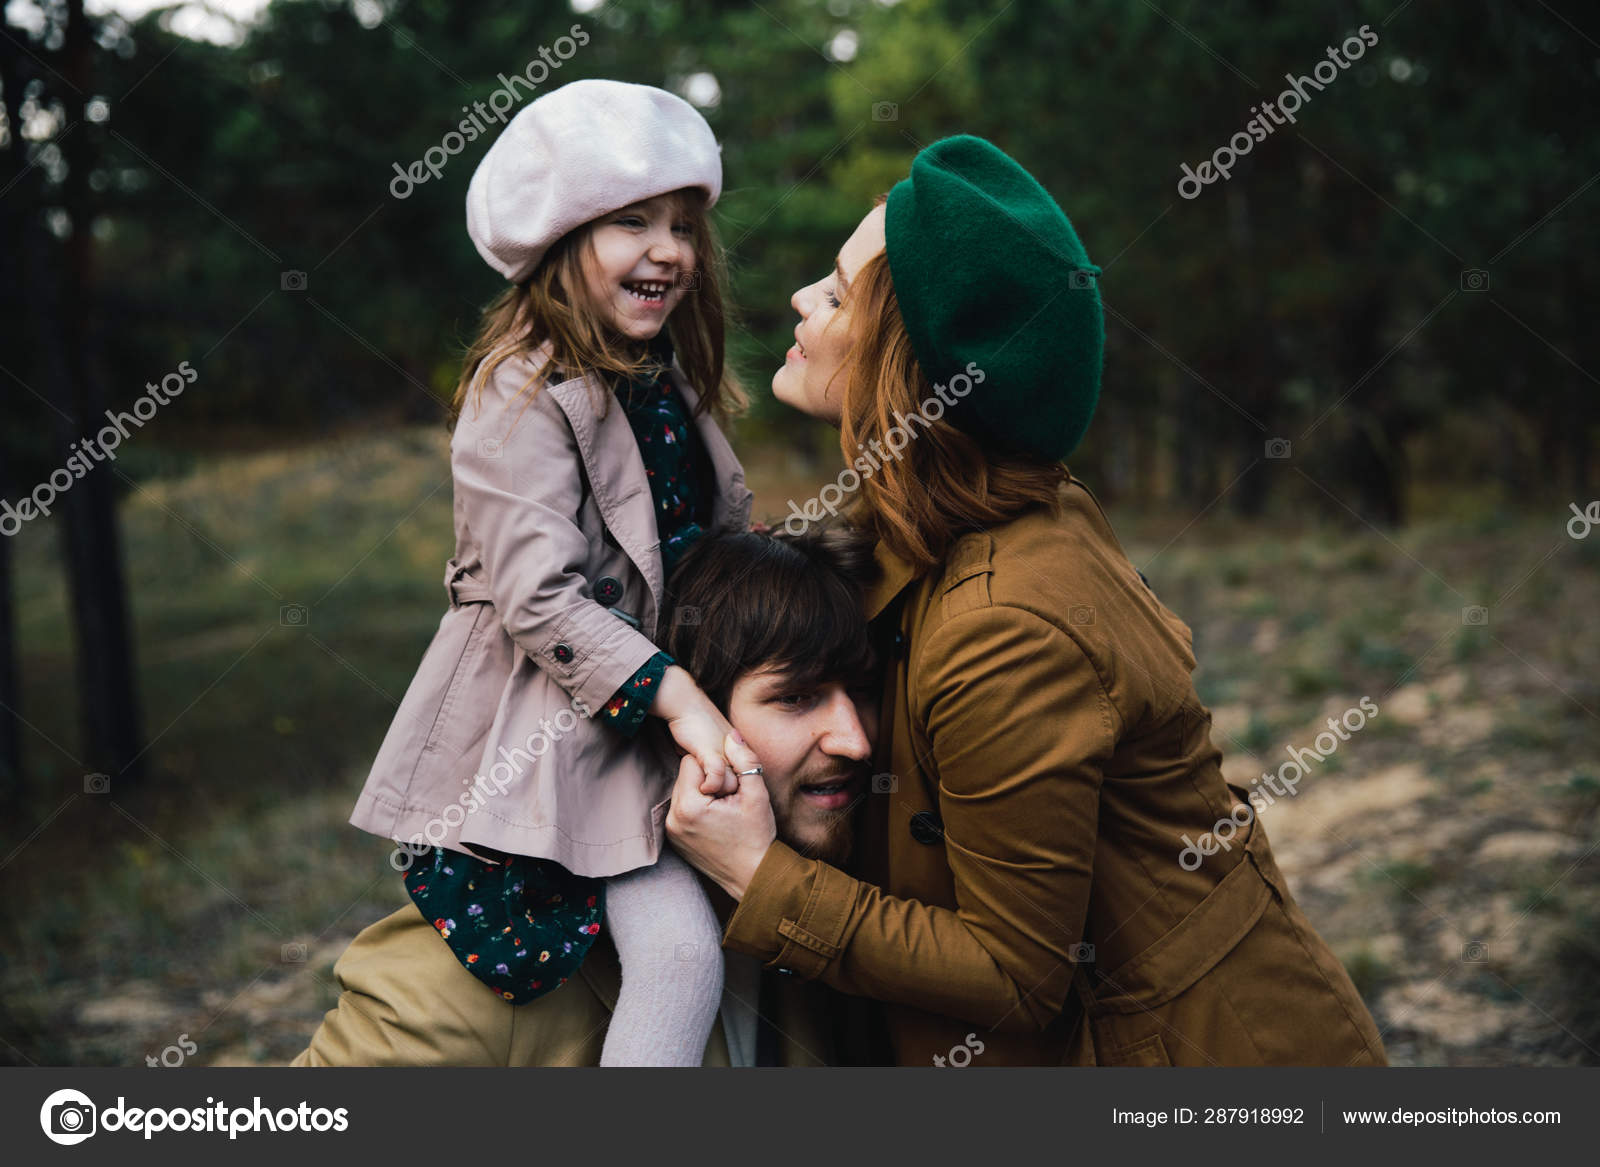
<point x="611" y="457"/>
<point x="612" y="460"/>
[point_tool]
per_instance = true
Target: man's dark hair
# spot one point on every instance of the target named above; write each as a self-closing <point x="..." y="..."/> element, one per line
<point x="744" y="600"/>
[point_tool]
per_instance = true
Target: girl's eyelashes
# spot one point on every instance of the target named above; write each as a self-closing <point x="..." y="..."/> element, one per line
<point x="833" y="301"/>
<point x="680" y="228"/>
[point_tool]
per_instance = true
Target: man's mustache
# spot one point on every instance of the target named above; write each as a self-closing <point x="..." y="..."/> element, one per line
<point x="834" y="776"/>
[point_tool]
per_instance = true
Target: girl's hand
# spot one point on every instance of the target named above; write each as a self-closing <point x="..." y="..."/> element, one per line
<point x="705" y="735"/>
<point x="701" y="731"/>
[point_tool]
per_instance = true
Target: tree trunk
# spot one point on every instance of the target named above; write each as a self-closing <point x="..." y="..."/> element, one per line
<point x="106" y="682"/>
<point x="13" y="309"/>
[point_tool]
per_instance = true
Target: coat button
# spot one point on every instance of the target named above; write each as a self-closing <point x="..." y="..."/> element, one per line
<point x="927" y="827"/>
<point x="608" y="590"/>
<point x="562" y="652"/>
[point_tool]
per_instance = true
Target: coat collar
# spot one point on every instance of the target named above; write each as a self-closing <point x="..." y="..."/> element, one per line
<point x="894" y="576"/>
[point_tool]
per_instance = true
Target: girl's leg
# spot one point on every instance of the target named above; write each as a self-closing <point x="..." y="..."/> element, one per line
<point x="670" y="946"/>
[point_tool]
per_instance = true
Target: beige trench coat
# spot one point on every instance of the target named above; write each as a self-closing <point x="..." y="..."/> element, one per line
<point x="554" y="591"/>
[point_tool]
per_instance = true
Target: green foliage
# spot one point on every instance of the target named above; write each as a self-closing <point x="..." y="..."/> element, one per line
<point x="1277" y="294"/>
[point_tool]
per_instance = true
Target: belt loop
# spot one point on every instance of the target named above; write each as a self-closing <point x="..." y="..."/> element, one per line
<point x="452" y="570"/>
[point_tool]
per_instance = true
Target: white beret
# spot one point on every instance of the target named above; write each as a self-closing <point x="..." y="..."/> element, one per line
<point x="579" y="152"/>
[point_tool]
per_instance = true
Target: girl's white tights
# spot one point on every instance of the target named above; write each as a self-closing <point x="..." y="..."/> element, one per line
<point x="670" y="946"/>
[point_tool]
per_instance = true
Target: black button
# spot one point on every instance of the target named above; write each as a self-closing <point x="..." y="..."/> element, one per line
<point x="927" y="827"/>
<point x="608" y="590"/>
<point x="562" y="652"/>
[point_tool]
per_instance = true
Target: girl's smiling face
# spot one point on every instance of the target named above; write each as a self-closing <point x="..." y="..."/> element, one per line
<point x="811" y="379"/>
<point x="637" y="265"/>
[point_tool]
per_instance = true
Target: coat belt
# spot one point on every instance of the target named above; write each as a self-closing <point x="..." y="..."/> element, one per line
<point x="1196" y="943"/>
<point x="463" y="588"/>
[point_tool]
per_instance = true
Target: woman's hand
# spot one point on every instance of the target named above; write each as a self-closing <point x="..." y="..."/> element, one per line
<point x="703" y="733"/>
<point x="726" y="838"/>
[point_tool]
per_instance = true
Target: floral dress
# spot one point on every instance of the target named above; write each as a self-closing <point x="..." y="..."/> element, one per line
<point x="522" y="925"/>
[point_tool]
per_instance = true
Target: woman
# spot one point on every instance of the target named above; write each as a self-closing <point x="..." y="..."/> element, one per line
<point x="1025" y="892"/>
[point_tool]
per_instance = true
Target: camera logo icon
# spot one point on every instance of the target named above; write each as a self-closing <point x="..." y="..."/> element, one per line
<point x="67" y="1117"/>
<point x="885" y="111"/>
<point x="1474" y="952"/>
<point x="1475" y="616"/>
<point x="1081" y="953"/>
<point x="294" y="615"/>
<point x="689" y="280"/>
<point x="885" y="784"/>
<point x="686" y="614"/>
<point x="1474" y="279"/>
<point x="1278" y="448"/>
<point x="490" y="447"/>
<point x="97" y="784"/>
<point x="292" y="281"/>
<point x="690" y="953"/>
<point x="1078" y="280"/>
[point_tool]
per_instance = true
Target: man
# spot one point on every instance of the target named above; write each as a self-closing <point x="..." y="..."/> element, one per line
<point x="772" y="628"/>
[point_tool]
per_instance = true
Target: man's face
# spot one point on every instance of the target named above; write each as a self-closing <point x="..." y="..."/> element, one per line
<point x="815" y="747"/>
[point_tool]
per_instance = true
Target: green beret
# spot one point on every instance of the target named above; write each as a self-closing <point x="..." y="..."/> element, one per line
<point x="989" y="272"/>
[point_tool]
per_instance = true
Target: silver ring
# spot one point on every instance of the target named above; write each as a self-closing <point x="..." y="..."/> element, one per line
<point x="755" y="770"/>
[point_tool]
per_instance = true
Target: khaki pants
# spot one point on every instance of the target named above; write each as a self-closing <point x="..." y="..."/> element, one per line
<point x="408" y="1002"/>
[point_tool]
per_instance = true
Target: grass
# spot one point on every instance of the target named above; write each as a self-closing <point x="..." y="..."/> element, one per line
<point x="1403" y="879"/>
<point x="167" y="903"/>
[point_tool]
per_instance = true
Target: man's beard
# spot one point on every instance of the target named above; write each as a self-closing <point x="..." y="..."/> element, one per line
<point x="825" y="835"/>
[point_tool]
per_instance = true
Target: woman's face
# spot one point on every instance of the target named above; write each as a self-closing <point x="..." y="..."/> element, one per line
<point x="813" y="375"/>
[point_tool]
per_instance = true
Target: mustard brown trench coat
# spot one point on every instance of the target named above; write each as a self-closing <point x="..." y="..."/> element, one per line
<point x="1045" y="755"/>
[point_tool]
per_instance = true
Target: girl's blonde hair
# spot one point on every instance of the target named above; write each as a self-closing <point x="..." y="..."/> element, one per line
<point x="944" y="483"/>
<point x="552" y="304"/>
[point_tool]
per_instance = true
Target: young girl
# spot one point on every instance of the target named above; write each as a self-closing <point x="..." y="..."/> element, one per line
<point x="585" y="460"/>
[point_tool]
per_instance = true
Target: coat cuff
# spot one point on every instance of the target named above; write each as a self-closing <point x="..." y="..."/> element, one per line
<point x="794" y="913"/>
